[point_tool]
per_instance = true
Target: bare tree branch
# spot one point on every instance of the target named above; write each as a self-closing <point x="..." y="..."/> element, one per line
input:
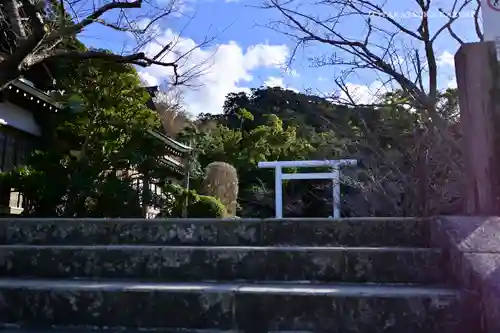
<point x="38" y="37"/>
<point x="476" y="21"/>
<point x="357" y="48"/>
<point x="362" y="52"/>
<point x="452" y="17"/>
<point x="92" y="18"/>
<point x="34" y="19"/>
<point x="14" y="18"/>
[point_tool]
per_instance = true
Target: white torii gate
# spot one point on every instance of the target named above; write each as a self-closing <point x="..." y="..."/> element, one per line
<point x="279" y="176"/>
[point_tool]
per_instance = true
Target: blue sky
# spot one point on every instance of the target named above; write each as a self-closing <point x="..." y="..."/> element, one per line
<point x="247" y="53"/>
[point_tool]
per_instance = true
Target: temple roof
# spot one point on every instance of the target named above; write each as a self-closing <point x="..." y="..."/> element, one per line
<point x="175" y="146"/>
<point x="174" y="165"/>
<point x="25" y="90"/>
<point x="152" y="91"/>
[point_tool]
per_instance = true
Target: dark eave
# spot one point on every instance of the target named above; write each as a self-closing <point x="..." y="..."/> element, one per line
<point x="172" y="164"/>
<point x="25" y="91"/>
<point x="152" y="91"/>
<point x="175" y="145"/>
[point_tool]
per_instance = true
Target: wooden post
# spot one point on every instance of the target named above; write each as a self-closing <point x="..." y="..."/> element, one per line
<point x="479" y="99"/>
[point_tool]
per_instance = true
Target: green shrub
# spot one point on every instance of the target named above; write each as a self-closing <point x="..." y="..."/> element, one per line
<point x="199" y="206"/>
<point x="207" y="207"/>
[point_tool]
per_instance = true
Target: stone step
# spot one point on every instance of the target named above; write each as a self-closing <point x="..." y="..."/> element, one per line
<point x="123" y="330"/>
<point x="62" y="329"/>
<point x="202" y="263"/>
<point x="409" y="232"/>
<point x="333" y="308"/>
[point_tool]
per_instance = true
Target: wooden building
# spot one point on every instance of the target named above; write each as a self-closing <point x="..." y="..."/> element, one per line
<point x="176" y="157"/>
<point x="22" y="108"/>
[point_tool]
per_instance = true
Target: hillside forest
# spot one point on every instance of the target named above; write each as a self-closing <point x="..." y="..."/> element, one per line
<point x="87" y="161"/>
<point x="108" y="127"/>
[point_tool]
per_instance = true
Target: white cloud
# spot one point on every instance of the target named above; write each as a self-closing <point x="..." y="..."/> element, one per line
<point x="148" y="79"/>
<point x="364" y="94"/>
<point x="265" y="55"/>
<point x="225" y="68"/>
<point x="446" y="59"/>
<point x="179" y="7"/>
<point x="368" y="94"/>
<point x="291" y="72"/>
<point x="451" y="84"/>
<point x="274" y="81"/>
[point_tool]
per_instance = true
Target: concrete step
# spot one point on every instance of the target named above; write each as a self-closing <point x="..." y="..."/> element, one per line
<point x="333" y="308"/>
<point x="202" y="263"/>
<point x="309" y="232"/>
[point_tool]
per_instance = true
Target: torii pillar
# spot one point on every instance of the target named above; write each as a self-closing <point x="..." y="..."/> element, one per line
<point x="478" y="79"/>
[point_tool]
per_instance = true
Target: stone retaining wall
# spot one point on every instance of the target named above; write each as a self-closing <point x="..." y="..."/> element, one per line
<point x="472" y="246"/>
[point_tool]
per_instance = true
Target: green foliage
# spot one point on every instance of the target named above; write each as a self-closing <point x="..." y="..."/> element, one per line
<point x="198" y="206"/>
<point x="206" y="207"/>
<point x="286" y="125"/>
<point x="221" y="182"/>
<point x="307" y="113"/>
<point x="244" y="114"/>
<point x="102" y="132"/>
<point x="49" y="180"/>
<point x="244" y="147"/>
<point x="90" y="145"/>
<point x="43" y="182"/>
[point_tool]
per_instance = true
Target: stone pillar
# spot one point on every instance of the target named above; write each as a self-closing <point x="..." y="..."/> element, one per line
<point x="479" y="99"/>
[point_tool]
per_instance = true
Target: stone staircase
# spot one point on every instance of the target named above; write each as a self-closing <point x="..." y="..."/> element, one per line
<point x="310" y="275"/>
